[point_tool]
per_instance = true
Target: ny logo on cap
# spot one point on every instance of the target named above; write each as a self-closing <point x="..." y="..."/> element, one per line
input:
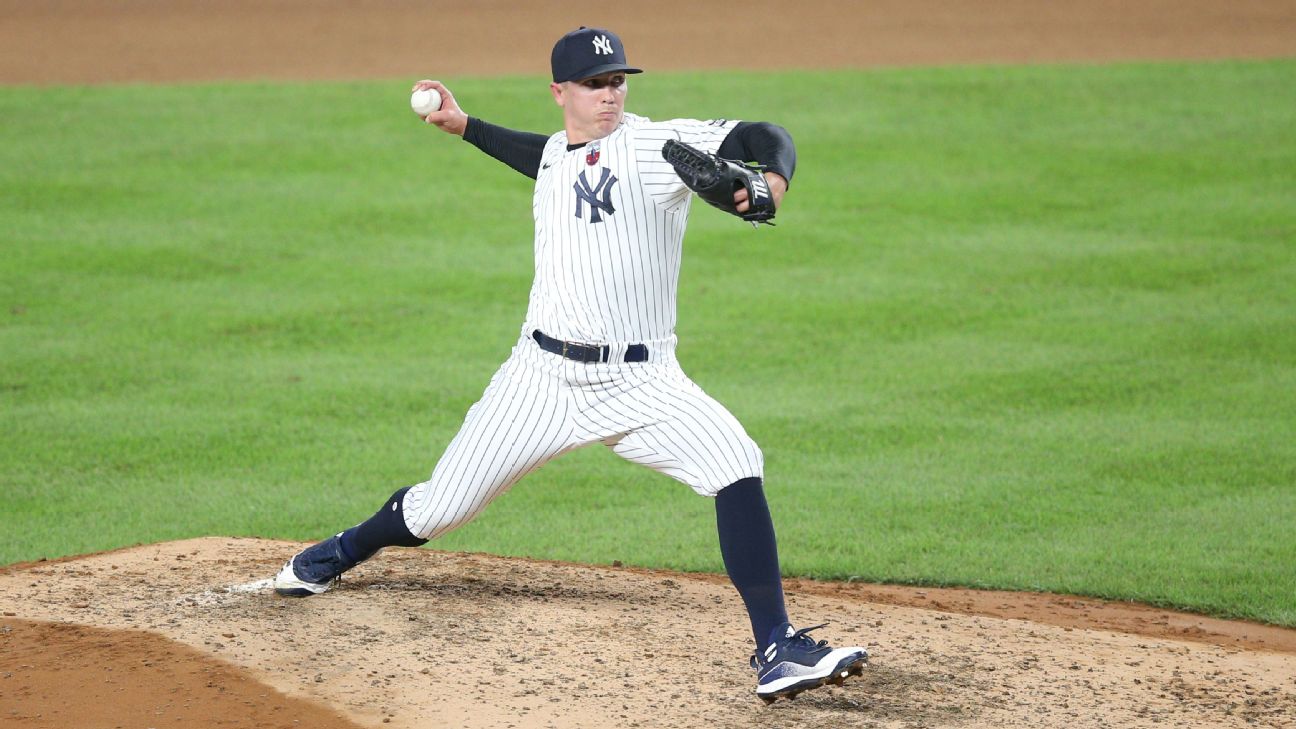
<point x="602" y="45"/>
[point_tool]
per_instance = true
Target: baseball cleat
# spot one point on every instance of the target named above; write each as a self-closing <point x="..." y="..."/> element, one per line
<point x="794" y="662"/>
<point x="313" y="570"/>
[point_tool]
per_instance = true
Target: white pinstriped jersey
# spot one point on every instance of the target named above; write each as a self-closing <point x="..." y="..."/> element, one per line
<point x="609" y="229"/>
<point x="610" y="219"/>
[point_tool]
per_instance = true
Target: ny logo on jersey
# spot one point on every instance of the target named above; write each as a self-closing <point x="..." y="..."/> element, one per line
<point x="602" y="45"/>
<point x="587" y="194"/>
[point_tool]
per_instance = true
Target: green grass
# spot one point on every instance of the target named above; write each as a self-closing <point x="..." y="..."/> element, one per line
<point x="1018" y="327"/>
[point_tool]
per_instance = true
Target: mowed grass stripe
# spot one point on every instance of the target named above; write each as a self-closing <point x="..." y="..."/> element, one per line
<point x="1019" y="327"/>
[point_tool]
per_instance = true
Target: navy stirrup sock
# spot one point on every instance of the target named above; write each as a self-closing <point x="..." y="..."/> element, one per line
<point x="386" y="528"/>
<point x="750" y="553"/>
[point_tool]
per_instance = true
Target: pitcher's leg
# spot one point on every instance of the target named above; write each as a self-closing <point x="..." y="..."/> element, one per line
<point x="519" y="424"/>
<point x="684" y="433"/>
<point x="687" y="435"/>
<point x="520" y="427"/>
<point x="750" y="553"/>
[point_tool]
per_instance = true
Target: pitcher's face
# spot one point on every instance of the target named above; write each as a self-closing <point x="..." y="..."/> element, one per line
<point x="592" y="107"/>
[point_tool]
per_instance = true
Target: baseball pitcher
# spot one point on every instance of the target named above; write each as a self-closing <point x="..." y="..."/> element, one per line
<point x="595" y="358"/>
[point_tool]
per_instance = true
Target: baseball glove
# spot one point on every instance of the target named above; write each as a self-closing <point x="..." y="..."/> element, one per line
<point x="716" y="179"/>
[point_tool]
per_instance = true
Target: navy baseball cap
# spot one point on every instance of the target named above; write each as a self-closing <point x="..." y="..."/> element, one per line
<point x="586" y="53"/>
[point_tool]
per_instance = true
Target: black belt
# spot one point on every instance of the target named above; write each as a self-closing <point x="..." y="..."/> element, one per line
<point x="586" y="352"/>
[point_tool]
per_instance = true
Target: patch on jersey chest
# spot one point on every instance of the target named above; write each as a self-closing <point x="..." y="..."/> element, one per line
<point x="592" y="154"/>
<point x="598" y="195"/>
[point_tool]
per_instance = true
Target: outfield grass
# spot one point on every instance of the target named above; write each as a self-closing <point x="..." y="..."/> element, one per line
<point x="1019" y="327"/>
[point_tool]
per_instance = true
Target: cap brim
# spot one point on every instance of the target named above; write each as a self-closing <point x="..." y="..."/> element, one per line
<point x="600" y="70"/>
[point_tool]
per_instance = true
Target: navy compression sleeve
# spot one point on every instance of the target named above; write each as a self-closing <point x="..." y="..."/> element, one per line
<point x="764" y="143"/>
<point x="519" y="150"/>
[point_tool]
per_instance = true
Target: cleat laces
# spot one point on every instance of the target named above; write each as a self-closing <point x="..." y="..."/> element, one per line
<point x="799" y="638"/>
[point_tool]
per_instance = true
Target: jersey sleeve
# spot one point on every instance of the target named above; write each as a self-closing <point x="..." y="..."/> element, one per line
<point x="659" y="178"/>
<point x="519" y="150"/>
<point x="764" y="143"/>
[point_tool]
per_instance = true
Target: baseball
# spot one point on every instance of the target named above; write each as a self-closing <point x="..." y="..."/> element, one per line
<point x="425" y="101"/>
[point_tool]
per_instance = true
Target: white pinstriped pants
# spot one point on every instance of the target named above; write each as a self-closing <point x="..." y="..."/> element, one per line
<point x="540" y="405"/>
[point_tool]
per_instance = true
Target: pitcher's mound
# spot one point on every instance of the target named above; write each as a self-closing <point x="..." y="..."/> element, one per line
<point x="419" y="638"/>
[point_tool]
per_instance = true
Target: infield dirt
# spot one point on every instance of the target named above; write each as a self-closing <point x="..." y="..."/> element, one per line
<point x="188" y="634"/>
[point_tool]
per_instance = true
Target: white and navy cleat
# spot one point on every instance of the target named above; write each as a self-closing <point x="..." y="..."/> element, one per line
<point x="313" y="570"/>
<point x="794" y="662"/>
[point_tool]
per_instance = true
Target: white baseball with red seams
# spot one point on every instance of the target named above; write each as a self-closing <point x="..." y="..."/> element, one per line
<point x="425" y="101"/>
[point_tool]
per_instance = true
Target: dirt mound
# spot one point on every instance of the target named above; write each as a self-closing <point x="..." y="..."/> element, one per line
<point x="422" y="638"/>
